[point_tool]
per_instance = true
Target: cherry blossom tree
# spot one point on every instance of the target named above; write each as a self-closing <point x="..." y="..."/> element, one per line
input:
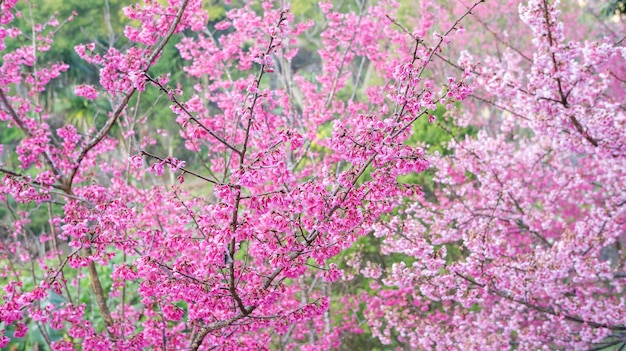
<point x="506" y="238"/>
<point x="522" y="247"/>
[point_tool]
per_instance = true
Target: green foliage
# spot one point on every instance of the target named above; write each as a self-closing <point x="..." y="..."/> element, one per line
<point x="304" y="8"/>
<point x="368" y="248"/>
<point x="614" y="7"/>
<point x="435" y="138"/>
<point x="9" y="136"/>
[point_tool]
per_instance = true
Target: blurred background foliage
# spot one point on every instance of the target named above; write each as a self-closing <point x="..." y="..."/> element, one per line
<point x="614" y="7"/>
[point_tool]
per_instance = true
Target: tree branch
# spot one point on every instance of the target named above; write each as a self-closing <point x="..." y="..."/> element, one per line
<point x="116" y="114"/>
<point x="546" y="310"/>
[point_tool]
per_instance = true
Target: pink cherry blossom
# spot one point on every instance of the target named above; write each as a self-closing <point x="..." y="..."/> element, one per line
<point x="86" y="91"/>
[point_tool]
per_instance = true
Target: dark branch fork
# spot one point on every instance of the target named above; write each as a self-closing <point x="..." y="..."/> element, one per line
<point x="562" y="95"/>
<point x="244" y="311"/>
<point x="546" y="310"/>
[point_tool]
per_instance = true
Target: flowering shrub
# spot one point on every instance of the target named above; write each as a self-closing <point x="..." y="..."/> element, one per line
<point x="507" y="234"/>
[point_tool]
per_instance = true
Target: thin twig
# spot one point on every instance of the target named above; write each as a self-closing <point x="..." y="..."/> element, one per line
<point x="183" y="169"/>
<point x="546" y="310"/>
<point x="190" y="115"/>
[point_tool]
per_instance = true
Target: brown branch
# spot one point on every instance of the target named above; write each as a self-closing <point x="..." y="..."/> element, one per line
<point x="93" y="273"/>
<point x="546" y="310"/>
<point x="582" y="131"/>
<point x="170" y="270"/>
<point x="562" y="95"/>
<point x="431" y="51"/>
<point x="204" y="330"/>
<point x="59" y="269"/>
<point x="243" y="310"/>
<point x="19" y="175"/>
<point x="242" y="155"/>
<point x="282" y="191"/>
<point x="101" y="299"/>
<point x="17" y="120"/>
<point x="183" y="169"/>
<point x="191" y="214"/>
<point x="14" y="116"/>
<point x="190" y="115"/>
<point x="111" y="121"/>
<point x="452" y="27"/>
